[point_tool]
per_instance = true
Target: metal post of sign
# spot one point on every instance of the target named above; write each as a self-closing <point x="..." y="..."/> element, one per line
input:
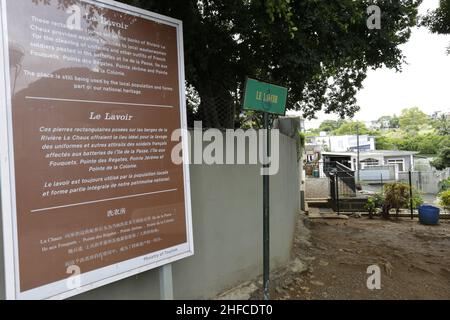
<point x="166" y="282"/>
<point x="269" y="99"/>
<point x="266" y="211"/>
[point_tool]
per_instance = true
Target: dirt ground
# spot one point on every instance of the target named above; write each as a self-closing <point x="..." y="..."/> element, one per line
<point x="331" y="257"/>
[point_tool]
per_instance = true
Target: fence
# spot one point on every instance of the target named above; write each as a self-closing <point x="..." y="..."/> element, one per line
<point x="378" y="174"/>
<point x="426" y="182"/>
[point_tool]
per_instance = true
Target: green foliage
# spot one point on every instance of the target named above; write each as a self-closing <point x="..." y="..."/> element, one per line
<point x="389" y="122"/>
<point x="351" y="128"/>
<point x="412" y="120"/>
<point x="373" y="203"/>
<point x="383" y="142"/>
<point x="441" y="122"/>
<point x="438" y="21"/>
<point x="396" y="196"/>
<point x="442" y="161"/>
<point x="330" y="125"/>
<point x="416" y="132"/>
<point x="301" y="142"/>
<point x="444" y="185"/>
<point x="370" y="207"/>
<point x="428" y="143"/>
<point x="320" y="50"/>
<point x="282" y="9"/>
<point x="444" y="199"/>
<point x="417" y="200"/>
<point x="302" y="139"/>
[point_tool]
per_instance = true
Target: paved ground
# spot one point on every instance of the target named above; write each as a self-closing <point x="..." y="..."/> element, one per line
<point x="331" y="257"/>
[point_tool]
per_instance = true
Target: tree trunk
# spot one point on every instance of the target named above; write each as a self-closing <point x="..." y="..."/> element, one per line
<point x="217" y="108"/>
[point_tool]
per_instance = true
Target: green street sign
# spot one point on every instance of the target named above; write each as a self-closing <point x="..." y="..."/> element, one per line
<point x="265" y="97"/>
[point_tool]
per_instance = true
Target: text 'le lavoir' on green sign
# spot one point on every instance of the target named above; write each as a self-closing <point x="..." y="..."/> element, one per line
<point x="265" y="97"/>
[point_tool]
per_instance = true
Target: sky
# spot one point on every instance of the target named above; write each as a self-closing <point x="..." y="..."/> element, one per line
<point x="424" y="81"/>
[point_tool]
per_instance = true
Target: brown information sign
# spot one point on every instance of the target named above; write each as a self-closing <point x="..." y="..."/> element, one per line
<point x="92" y="97"/>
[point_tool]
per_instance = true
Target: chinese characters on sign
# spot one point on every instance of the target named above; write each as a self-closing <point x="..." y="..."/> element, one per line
<point x="94" y="93"/>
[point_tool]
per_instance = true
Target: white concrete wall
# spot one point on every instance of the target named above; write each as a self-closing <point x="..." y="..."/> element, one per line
<point x="387" y="173"/>
<point x="227" y="222"/>
<point x="426" y="182"/>
<point x="317" y="188"/>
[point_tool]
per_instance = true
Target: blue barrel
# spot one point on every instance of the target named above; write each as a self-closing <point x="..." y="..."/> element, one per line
<point x="429" y="215"/>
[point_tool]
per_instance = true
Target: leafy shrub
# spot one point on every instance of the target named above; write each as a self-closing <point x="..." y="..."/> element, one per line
<point x="417" y="200"/>
<point x="373" y="203"/>
<point x="396" y="196"/>
<point x="444" y="197"/>
<point x="370" y="206"/>
<point x="444" y="185"/>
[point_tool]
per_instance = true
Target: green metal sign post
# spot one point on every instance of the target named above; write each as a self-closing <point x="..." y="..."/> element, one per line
<point x="270" y="99"/>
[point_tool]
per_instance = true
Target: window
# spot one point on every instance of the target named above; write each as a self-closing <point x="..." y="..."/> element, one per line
<point x="399" y="162"/>
<point x="370" y="162"/>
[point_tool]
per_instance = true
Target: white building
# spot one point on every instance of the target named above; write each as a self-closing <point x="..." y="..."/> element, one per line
<point x="403" y="160"/>
<point x="342" y="143"/>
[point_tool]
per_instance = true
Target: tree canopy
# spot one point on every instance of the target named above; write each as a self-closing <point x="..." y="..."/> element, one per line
<point x="330" y="125"/>
<point x="438" y="21"/>
<point x="351" y="128"/>
<point x="443" y="159"/>
<point x="412" y="119"/>
<point x="441" y="122"/>
<point x="428" y="135"/>
<point x="388" y="122"/>
<point x="320" y="50"/>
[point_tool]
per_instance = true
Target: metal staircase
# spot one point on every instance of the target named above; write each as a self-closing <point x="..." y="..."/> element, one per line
<point x="341" y="175"/>
<point x="342" y="182"/>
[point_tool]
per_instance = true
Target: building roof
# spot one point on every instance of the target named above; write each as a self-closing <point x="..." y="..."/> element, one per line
<point x="388" y="153"/>
<point x="384" y="153"/>
<point x="343" y="136"/>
